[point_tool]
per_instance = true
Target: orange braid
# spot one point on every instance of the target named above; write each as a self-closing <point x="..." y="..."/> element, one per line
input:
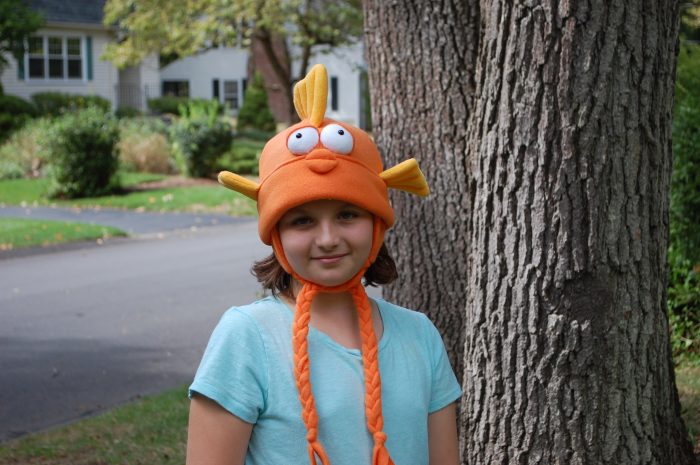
<point x="302" y="371"/>
<point x="373" y="382"/>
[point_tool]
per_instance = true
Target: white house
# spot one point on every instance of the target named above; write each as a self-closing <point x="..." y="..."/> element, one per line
<point x="64" y="56"/>
<point x="221" y="73"/>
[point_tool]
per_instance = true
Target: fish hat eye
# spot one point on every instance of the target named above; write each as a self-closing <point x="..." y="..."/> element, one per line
<point x="302" y="140"/>
<point x="337" y="139"/>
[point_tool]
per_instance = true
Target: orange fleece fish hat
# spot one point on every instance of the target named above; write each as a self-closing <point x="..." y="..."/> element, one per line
<point x="318" y="159"/>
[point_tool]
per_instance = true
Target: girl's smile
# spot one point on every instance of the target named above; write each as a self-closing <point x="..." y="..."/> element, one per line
<point x="326" y="241"/>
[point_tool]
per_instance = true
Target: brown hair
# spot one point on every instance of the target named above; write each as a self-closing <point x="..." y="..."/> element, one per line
<point x="272" y="276"/>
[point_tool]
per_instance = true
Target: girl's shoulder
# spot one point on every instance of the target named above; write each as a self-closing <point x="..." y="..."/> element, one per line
<point x="264" y="314"/>
<point x="403" y="317"/>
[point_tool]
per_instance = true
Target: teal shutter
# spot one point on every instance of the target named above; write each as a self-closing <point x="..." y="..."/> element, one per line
<point x="88" y="52"/>
<point x="20" y="67"/>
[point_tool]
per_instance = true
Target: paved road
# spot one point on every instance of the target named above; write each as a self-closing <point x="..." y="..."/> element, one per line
<point x="127" y="220"/>
<point x="84" y="330"/>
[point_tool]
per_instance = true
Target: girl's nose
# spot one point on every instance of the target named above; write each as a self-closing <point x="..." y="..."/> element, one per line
<point x="327" y="235"/>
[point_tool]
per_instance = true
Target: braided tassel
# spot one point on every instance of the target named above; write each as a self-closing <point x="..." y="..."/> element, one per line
<point x="373" y="382"/>
<point x="302" y="371"/>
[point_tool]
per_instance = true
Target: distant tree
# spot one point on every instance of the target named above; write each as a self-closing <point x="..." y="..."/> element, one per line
<point x="17" y="23"/>
<point x="255" y="112"/>
<point x="185" y="28"/>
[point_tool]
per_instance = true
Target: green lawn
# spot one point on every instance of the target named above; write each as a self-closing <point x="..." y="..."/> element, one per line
<point x="17" y="233"/>
<point x="211" y="199"/>
<point x="153" y="431"/>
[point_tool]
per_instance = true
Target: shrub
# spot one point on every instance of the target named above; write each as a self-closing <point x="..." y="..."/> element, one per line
<point x="199" y="138"/>
<point x="167" y="104"/>
<point x="684" y="307"/>
<point x="26" y="151"/>
<point x="242" y="158"/>
<point x="127" y="112"/>
<point x="14" y="113"/>
<point x="83" y="154"/>
<point x="255" y="112"/>
<point x="57" y="103"/>
<point x="173" y="105"/>
<point x="143" y="146"/>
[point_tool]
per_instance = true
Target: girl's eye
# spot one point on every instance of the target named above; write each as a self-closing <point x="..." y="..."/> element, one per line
<point x="302" y="140"/>
<point x="348" y="215"/>
<point x="337" y="139"/>
<point x="301" y="221"/>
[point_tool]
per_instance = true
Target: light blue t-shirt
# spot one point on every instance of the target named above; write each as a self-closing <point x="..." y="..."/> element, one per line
<point x="247" y="368"/>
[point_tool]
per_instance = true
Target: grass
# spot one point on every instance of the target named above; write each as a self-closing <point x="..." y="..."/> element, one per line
<point x="150" y="431"/>
<point x="688" y="382"/>
<point x="17" y="233"/>
<point x="153" y="431"/>
<point x="211" y="199"/>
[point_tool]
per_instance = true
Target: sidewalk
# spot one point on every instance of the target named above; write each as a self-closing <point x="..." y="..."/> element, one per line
<point x="130" y="221"/>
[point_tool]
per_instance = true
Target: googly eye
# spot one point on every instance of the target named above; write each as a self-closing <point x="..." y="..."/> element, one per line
<point x="302" y="140"/>
<point x="336" y="139"/>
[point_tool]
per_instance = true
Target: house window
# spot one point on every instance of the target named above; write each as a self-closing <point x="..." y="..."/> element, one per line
<point x="215" y="89"/>
<point x="176" y="88"/>
<point x="334" y="93"/>
<point x="231" y="94"/>
<point x="55" y="57"/>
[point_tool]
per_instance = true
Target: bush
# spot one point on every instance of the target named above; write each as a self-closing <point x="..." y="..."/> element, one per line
<point x="58" y="103"/>
<point x="26" y="151"/>
<point x="242" y="158"/>
<point x="143" y="146"/>
<point x="199" y="138"/>
<point x="174" y="105"/>
<point x="83" y="156"/>
<point x="684" y="308"/>
<point x="14" y="113"/>
<point x="127" y="112"/>
<point x="255" y="112"/>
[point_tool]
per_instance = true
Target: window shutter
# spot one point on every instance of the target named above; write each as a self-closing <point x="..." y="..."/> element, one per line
<point x="20" y="67"/>
<point x="88" y="53"/>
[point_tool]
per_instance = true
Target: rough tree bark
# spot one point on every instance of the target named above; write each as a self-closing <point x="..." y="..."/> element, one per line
<point x="421" y="58"/>
<point x="563" y="224"/>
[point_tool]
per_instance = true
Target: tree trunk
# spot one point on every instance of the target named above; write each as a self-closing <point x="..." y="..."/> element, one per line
<point x="567" y="356"/>
<point x="553" y="233"/>
<point x="421" y="58"/>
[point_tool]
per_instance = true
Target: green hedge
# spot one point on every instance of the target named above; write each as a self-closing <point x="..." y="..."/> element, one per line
<point x="83" y="155"/>
<point x="174" y="105"/>
<point x="200" y="138"/>
<point x="14" y="113"/>
<point x="57" y="103"/>
<point x="255" y="112"/>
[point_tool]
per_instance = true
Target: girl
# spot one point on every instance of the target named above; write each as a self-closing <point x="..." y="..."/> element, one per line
<point x="284" y="380"/>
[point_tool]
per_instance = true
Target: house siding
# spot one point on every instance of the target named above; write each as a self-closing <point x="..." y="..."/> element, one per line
<point x="224" y="64"/>
<point x="104" y="74"/>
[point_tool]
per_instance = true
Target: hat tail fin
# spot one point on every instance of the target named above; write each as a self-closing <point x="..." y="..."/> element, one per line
<point x="406" y="176"/>
<point x="239" y="184"/>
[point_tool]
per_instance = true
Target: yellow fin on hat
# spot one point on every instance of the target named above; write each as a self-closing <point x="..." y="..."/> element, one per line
<point x="239" y="184"/>
<point x="311" y="94"/>
<point x="406" y="176"/>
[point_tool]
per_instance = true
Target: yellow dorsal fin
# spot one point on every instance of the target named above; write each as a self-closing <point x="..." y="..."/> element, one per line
<point x="406" y="176"/>
<point x="239" y="184"/>
<point x="311" y="94"/>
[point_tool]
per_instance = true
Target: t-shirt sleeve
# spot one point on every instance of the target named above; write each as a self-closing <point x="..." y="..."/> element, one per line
<point x="233" y="370"/>
<point x="445" y="387"/>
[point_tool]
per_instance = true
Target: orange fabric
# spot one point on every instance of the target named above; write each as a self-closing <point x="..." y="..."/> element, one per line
<point x="288" y="180"/>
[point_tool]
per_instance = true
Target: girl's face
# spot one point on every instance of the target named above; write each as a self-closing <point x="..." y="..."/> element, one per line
<point x="326" y="241"/>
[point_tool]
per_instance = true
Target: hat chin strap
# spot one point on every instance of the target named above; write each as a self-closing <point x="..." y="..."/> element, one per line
<point x="370" y="350"/>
